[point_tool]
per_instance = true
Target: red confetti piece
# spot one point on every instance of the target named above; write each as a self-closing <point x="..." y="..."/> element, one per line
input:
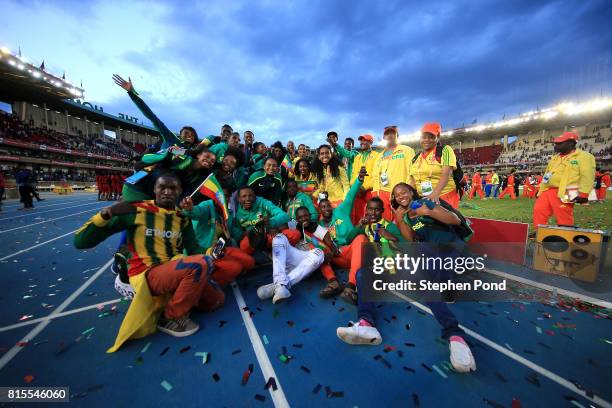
<point x="245" y="377"/>
<point x="28" y="378"/>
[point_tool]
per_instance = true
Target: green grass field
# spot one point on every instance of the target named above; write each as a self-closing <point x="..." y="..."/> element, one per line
<point x="594" y="215"/>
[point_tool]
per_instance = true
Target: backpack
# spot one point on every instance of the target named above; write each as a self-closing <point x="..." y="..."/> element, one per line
<point x="457" y="172"/>
<point x="464" y="230"/>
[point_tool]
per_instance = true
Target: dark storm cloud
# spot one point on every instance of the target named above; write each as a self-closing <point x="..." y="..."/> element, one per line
<point x="399" y="62"/>
<point x="290" y="69"/>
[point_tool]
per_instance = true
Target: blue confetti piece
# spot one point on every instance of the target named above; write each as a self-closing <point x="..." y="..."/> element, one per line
<point x="435" y="367"/>
<point x="167" y="386"/>
<point x="145" y="348"/>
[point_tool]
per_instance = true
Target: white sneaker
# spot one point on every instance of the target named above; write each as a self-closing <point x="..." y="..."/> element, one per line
<point x="356" y="334"/>
<point x="266" y="291"/>
<point x="280" y="293"/>
<point x="461" y="356"/>
<point x="125" y="289"/>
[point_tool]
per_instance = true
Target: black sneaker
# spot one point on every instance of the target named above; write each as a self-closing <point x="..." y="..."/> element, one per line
<point x="120" y="267"/>
<point x="181" y="327"/>
<point x="349" y="294"/>
<point x="332" y="289"/>
<point x="449" y="296"/>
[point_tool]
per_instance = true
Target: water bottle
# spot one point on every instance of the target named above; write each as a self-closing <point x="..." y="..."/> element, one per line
<point x="416" y="204"/>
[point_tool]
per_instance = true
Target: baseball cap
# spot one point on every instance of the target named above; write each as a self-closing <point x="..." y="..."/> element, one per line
<point x="432" y="127"/>
<point x="367" y="138"/>
<point x="391" y="128"/>
<point x="566" y="136"/>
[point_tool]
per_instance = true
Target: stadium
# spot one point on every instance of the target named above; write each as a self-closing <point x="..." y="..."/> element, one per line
<point x="544" y="342"/>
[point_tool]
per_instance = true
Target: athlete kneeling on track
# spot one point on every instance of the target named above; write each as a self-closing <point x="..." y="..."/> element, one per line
<point x="157" y="234"/>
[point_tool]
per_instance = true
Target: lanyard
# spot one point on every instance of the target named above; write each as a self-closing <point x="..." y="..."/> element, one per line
<point x="384" y="161"/>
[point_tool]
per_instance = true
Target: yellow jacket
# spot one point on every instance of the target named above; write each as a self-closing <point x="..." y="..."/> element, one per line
<point x="575" y="170"/>
<point x="336" y="187"/>
<point x="396" y="164"/>
<point x="359" y="160"/>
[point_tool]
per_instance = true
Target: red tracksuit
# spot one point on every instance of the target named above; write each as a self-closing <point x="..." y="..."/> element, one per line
<point x="509" y="188"/>
<point x="476" y="186"/>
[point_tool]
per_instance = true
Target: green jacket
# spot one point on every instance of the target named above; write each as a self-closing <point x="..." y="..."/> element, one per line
<point x="269" y="187"/>
<point x="350" y="156"/>
<point x="204" y="219"/>
<point x="219" y="150"/>
<point x="244" y="220"/>
<point x="341" y="227"/>
<point x="258" y="161"/>
<point x="168" y="137"/>
<point x="300" y="200"/>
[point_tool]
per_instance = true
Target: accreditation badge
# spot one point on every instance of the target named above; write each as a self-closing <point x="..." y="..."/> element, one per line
<point x="384" y="179"/>
<point x="426" y="188"/>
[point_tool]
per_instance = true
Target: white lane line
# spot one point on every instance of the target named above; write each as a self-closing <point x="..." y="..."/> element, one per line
<point x="52" y="219"/>
<point x="550" y="288"/>
<point x="29" y="214"/>
<point x="278" y="396"/>
<point x="36" y="246"/>
<point x="9" y="355"/>
<point x="67" y="313"/>
<point x="519" y="359"/>
<point x="15" y="206"/>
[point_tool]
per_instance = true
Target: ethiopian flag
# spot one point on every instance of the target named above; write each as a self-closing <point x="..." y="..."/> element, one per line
<point x="212" y="189"/>
<point x="287" y="164"/>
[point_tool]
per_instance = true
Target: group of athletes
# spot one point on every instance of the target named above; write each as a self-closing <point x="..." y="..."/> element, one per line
<point x="308" y="212"/>
<point x="109" y="186"/>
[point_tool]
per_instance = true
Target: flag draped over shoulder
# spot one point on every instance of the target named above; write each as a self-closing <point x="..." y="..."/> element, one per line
<point x="211" y="188"/>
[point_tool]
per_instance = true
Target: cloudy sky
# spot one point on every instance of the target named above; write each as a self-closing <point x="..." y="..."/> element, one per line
<point x="294" y="70"/>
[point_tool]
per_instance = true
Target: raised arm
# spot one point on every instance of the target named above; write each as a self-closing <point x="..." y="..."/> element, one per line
<point x="168" y="137"/>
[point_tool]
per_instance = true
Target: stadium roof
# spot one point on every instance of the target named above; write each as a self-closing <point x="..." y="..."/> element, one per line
<point x="568" y="114"/>
<point x="16" y="74"/>
<point x="78" y="109"/>
<point x="22" y="81"/>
